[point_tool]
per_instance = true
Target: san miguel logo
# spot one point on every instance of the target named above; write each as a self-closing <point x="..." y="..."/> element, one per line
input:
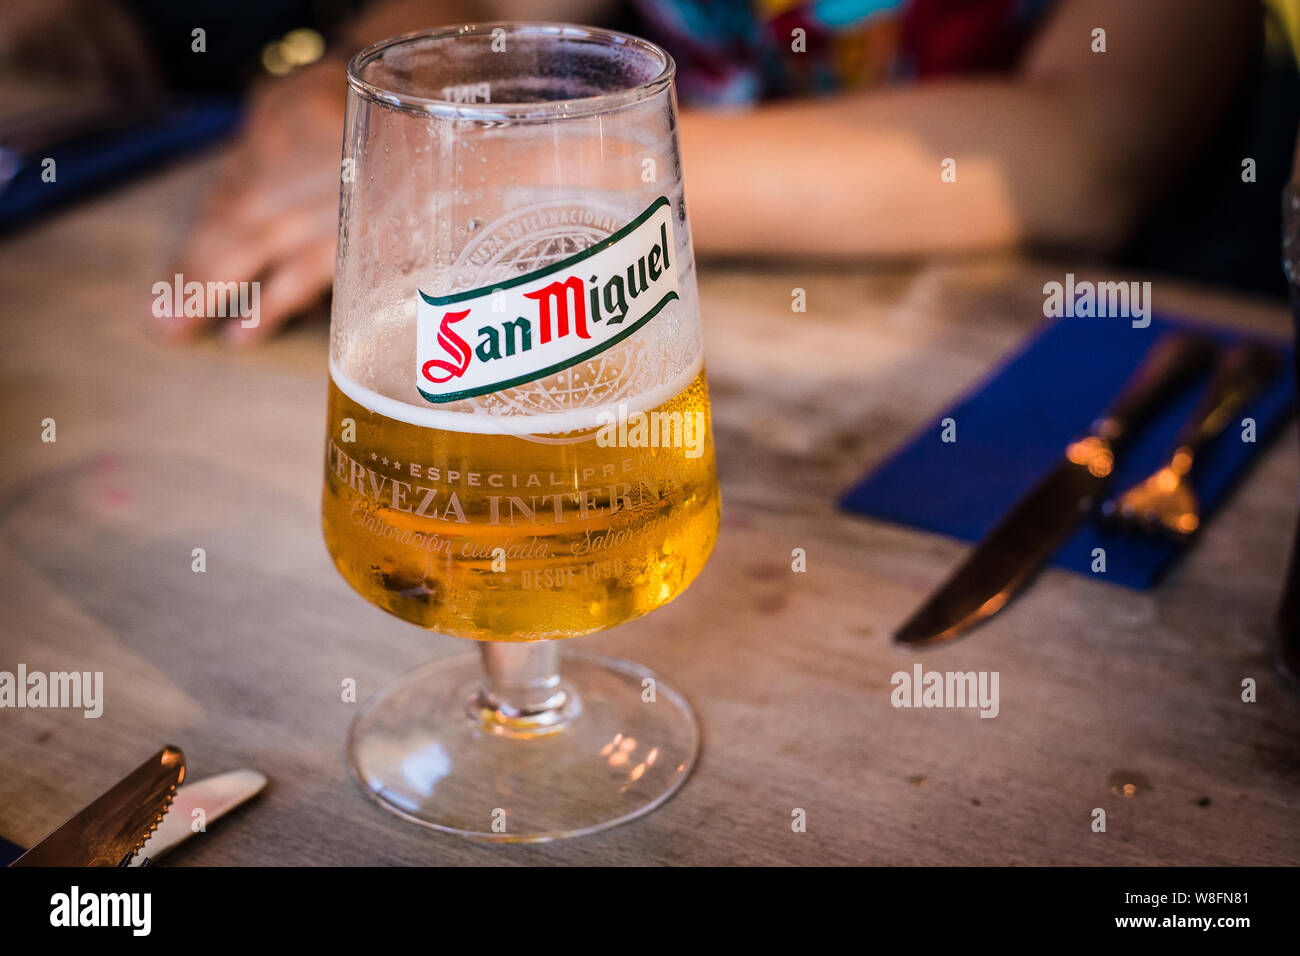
<point x="484" y="340"/>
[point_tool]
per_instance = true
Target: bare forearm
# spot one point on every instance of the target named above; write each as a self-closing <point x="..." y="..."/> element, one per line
<point x="866" y="175"/>
<point x="1069" y="149"/>
<point x="846" y="177"/>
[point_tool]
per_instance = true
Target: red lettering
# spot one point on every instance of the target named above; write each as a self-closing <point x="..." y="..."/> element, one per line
<point x="454" y="346"/>
<point x="554" y="310"/>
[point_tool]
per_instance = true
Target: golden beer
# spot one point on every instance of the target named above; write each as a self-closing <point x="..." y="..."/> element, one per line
<point x="512" y="537"/>
<point x="518" y="445"/>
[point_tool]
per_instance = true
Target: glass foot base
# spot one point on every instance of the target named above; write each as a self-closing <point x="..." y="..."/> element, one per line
<point x="616" y="747"/>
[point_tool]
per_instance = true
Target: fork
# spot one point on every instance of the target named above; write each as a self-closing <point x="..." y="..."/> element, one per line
<point x="1165" y="502"/>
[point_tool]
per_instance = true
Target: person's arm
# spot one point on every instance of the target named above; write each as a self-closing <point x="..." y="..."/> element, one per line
<point x="1069" y="149"/>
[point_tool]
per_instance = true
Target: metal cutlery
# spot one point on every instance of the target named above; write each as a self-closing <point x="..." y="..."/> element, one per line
<point x="1165" y="502"/>
<point x="110" y="830"/>
<point x="212" y="797"/>
<point x="145" y="815"/>
<point x="1030" y="533"/>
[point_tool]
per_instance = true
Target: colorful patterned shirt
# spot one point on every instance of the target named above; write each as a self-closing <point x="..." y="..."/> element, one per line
<point x="736" y="52"/>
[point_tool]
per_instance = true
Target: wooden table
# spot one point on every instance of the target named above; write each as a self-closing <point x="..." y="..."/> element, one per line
<point x="160" y="451"/>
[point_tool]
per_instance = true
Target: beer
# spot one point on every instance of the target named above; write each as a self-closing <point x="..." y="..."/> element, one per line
<point x="518" y="445"/>
<point x="461" y="523"/>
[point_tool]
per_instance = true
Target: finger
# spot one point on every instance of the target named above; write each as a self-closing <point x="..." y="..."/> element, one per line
<point x="225" y="251"/>
<point x="245" y="249"/>
<point x="209" y="258"/>
<point x="260" y="197"/>
<point x="173" y="320"/>
<point x="294" y="285"/>
<point x="179" y="327"/>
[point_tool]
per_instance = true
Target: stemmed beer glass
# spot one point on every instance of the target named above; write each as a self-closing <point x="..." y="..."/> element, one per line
<point x="518" y="443"/>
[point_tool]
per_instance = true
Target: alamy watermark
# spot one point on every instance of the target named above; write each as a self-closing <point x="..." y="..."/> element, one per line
<point x="133" y="911"/>
<point x="946" y="689"/>
<point x="55" y="689"/>
<point x="214" y="300"/>
<point x="1085" y="300"/>
<point x="626" y="429"/>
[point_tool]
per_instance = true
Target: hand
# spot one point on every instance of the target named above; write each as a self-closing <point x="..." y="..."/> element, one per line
<point x="271" y="215"/>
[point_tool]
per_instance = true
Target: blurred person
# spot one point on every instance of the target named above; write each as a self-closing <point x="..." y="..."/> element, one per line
<point x="1218" y="220"/>
<point x="835" y="149"/>
<point x="147" y="47"/>
<point x="93" y="43"/>
<point x="115" y="87"/>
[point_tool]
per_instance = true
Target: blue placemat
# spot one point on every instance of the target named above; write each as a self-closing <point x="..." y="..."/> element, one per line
<point x="9" y="852"/>
<point x="94" y="162"/>
<point x="1016" y="424"/>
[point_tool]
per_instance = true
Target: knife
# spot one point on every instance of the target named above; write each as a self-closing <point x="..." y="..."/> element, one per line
<point x="110" y="830"/>
<point x="1028" y="535"/>
<point x="213" y="796"/>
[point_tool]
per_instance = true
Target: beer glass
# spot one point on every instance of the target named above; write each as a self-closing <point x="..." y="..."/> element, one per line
<point x="518" y="445"/>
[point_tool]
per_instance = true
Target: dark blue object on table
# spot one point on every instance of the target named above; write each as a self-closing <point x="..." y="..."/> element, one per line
<point x="96" y="161"/>
<point x="9" y="852"/>
<point x="1015" y="425"/>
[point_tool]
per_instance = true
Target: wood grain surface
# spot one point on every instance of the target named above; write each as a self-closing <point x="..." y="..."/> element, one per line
<point x="161" y="450"/>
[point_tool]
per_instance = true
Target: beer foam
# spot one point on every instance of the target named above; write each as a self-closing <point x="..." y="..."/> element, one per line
<point x="480" y="423"/>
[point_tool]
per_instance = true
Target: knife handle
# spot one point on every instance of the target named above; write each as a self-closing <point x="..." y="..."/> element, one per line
<point x="1167" y="366"/>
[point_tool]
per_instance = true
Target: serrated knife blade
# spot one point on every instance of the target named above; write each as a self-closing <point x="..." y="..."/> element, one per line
<point x="1028" y="535"/>
<point x="110" y="829"/>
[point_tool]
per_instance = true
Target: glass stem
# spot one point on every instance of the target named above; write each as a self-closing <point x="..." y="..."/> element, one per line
<point x="522" y="692"/>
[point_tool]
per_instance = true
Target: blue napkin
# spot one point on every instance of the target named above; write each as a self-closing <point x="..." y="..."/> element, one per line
<point x="96" y="161"/>
<point x="9" y="852"/>
<point x="1011" y="428"/>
